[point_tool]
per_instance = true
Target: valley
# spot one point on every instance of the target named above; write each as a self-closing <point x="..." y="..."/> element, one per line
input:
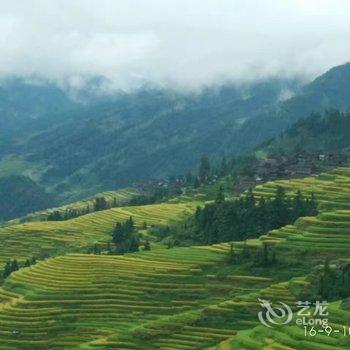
<point x="175" y="175"/>
<point x="178" y="298"/>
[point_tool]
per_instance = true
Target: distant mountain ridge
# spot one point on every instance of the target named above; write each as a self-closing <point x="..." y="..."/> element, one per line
<point x="148" y="133"/>
<point x="328" y="132"/>
<point x="157" y="133"/>
<point x="20" y="195"/>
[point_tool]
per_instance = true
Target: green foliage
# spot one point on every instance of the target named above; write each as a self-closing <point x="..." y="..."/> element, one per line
<point x="146" y="245"/>
<point x="204" y="170"/>
<point x="100" y="204"/>
<point x="125" y="237"/>
<point x="334" y="282"/>
<point x="224" y="221"/>
<point x="316" y="133"/>
<point x="13" y="265"/>
<point x="220" y="197"/>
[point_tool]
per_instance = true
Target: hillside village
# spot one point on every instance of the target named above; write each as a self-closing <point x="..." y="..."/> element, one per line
<point x="289" y="167"/>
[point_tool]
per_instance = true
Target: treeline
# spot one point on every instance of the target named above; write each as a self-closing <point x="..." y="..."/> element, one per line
<point x="100" y="203"/>
<point x="13" y="265"/>
<point x="125" y="238"/>
<point x="260" y="257"/>
<point x="333" y="283"/>
<point x="246" y="217"/>
<point x="206" y="174"/>
<point x="317" y="132"/>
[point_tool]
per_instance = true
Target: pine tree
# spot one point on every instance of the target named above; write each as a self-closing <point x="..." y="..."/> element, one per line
<point x="204" y="169"/>
<point x="96" y="249"/>
<point x="312" y="205"/>
<point x="298" y="206"/>
<point x="134" y="243"/>
<point x="129" y="225"/>
<point x="279" y="208"/>
<point x="7" y="270"/>
<point x="220" y="197"/>
<point x="14" y="265"/>
<point x="189" y="178"/>
<point x="146" y="245"/>
<point x="250" y="199"/>
<point x="245" y="251"/>
<point x="117" y="233"/>
<point x="54" y="216"/>
<point x="100" y="204"/>
<point x="231" y="259"/>
<point x="223" y="167"/>
<point x="265" y="254"/>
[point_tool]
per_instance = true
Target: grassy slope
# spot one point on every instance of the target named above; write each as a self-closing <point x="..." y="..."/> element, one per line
<point x="182" y="298"/>
<point x="120" y="197"/>
<point x="49" y="238"/>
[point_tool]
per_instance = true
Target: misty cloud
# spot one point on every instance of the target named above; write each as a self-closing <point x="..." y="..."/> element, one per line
<point x="174" y="42"/>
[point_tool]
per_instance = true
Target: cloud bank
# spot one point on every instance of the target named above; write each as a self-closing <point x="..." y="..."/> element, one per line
<point x="179" y="43"/>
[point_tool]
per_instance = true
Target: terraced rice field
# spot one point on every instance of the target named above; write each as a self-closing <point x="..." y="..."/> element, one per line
<point x="168" y="299"/>
<point x="327" y="232"/>
<point x="293" y="336"/>
<point x="148" y="300"/>
<point x="48" y="238"/>
<point x="332" y="190"/>
<point x="164" y="299"/>
<point x="117" y="198"/>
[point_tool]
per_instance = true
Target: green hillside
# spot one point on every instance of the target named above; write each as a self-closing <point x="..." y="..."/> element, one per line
<point x="118" y="140"/>
<point x="42" y="239"/>
<point x="112" y="198"/>
<point x="180" y="298"/>
<point x="315" y="134"/>
<point x="20" y="195"/>
<point x="132" y="136"/>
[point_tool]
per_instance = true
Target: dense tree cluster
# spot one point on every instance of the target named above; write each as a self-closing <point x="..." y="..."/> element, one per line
<point x="13" y="265"/>
<point x="57" y="215"/>
<point x="315" y="133"/>
<point x="334" y="283"/>
<point x="248" y="217"/>
<point x="261" y="257"/>
<point x="125" y="237"/>
<point x="100" y="203"/>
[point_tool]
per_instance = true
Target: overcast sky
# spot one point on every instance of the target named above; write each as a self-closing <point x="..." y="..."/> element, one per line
<point x="185" y="43"/>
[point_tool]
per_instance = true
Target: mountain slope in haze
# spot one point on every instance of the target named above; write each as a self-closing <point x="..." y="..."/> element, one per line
<point x="20" y="195"/>
<point x="148" y="133"/>
<point x="330" y="90"/>
<point x="152" y="133"/>
<point x="317" y="133"/>
<point x="23" y="104"/>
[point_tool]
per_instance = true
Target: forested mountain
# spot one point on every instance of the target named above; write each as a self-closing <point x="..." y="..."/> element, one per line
<point x="147" y="133"/>
<point x="330" y="90"/>
<point x="115" y="141"/>
<point x="24" y="105"/>
<point x="317" y="133"/>
<point x="20" y="195"/>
